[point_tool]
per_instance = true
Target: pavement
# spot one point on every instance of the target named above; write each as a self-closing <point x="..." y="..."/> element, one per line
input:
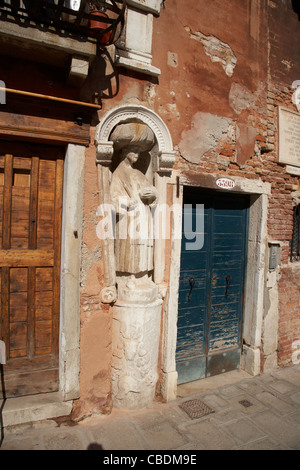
<point x="244" y="413"/>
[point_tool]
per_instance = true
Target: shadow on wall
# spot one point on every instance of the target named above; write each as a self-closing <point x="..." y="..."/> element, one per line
<point x="296" y="7"/>
<point x="108" y="85"/>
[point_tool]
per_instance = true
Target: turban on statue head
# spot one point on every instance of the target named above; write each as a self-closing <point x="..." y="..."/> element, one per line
<point x="133" y="134"/>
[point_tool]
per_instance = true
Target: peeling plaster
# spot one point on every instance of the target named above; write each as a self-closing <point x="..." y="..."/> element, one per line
<point x="245" y="142"/>
<point x="150" y="94"/>
<point x="241" y="98"/>
<point x="217" y="50"/>
<point x="173" y="59"/>
<point x="205" y="132"/>
<point x="171" y="110"/>
<point x="288" y="64"/>
<point x="88" y="259"/>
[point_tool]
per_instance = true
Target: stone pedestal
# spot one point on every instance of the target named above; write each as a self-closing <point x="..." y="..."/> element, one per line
<point x="136" y="333"/>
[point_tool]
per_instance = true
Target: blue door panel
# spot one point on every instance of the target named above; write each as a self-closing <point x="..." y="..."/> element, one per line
<point x="223" y="338"/>
<point x="191" y="369"/>
<point x="190" y="343"/>
<point x="211" y="287"/>
<point x="229" y="244"/>
<point x="228" y="224"/>
<point x="222" y="362"/>
<point x="222" y="311"/>
<point x="188" y="301"/>
<point x="218" y="292"/>
<point x="189" y="262"/>
<point x="191" y="316"/>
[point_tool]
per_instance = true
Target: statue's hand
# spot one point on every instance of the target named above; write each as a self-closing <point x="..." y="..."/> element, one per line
<point x="148" y="195"/>
<point x="132" y="204"/>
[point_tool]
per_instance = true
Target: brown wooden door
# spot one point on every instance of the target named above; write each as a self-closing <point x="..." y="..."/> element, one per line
<point x="31" y="178"/>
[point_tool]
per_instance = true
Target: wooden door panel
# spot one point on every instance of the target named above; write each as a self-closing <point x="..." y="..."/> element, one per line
<point x="30" y="227"/>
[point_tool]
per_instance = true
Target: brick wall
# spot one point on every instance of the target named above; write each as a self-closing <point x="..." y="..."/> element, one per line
<point x="284" y="68"/>
<point x="289" y="320"/>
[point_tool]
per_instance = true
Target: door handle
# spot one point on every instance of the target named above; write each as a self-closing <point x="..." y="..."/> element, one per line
<point x="192" y="283"/>
<point x="228" y="282"/>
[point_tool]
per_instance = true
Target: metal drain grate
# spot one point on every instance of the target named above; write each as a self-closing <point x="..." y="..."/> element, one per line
<point x="246" y="403"/>
<point x="196" y="408"/>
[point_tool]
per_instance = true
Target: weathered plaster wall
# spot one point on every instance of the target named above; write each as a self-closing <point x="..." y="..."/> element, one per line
<point x="214" y="75"/>
<point x="96" y="322"/>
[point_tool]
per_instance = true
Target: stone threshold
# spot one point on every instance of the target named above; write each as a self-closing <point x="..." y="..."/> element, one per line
<point x="34" y="408"/>
<point x="212" y="383"/>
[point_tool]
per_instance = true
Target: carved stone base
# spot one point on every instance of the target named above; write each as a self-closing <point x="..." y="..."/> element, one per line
<point x="136" y="333"/>
<point x="136" y="290"/>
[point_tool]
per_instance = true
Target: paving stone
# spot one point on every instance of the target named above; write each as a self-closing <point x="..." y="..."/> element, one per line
<point x="251" y="386"/>
<point x="296" y="397"/>
<point x="255" y="406"/>
<point x="291" y="374"/>
<point x="277" y="404"/>
<point x="116" y="434"/>
<point x="210" y="436"/>
<point x="192" y="446"/>
<point x="176" y="414"/>
<point x="229" y="391"/>
<point x="243" y="431"/>
<point x="282" y="430"/>
<point x="162" y="435"/>
<point x="262" y="444"/>
<point x="294" y="418"/>
<point x="282" y="386"/>
<point x="215" y="401"/>
<point x="226" y="415"/>
<point x="29" y="443"/>
<point x="63" y="440"/>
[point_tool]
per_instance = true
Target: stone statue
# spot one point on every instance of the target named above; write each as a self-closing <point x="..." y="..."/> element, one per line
<point x="132" y="195"/>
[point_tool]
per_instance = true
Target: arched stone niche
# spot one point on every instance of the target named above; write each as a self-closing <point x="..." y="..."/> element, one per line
<point x="160" y="169"/>
<point x="164" y="158"/>
<point x="136" y="310"/>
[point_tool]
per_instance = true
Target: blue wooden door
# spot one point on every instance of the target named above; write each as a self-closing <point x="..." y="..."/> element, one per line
<point x="211" y="284"/>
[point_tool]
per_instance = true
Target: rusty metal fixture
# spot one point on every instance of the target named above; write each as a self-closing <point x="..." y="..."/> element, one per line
<point x="196" y="408"/>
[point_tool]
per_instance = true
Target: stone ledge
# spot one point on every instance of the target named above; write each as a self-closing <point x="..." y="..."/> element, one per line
<point x="153" y="6"/>
<point x="34" y="408"/>
<point x="30" y="36"/>
<point x="139" y="66"/>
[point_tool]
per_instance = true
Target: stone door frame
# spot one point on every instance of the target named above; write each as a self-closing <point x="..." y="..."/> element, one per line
<point x="71" y="237"/>
<point x="254" y="285"/>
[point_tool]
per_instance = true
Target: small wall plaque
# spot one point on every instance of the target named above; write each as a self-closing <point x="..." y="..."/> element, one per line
<point x="225" y="183"/>
<point x="274" y="256"/>
<point x="289" y="137"/>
